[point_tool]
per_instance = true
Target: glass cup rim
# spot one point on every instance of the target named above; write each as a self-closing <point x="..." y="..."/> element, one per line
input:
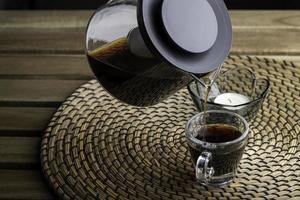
<point x="237" y="140"/>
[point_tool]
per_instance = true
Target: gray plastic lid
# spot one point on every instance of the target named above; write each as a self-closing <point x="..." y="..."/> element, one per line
<point x="198" y="46"/>
<point x="192" y="25"/>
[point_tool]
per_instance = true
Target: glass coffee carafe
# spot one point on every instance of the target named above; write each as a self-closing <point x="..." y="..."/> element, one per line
<point x="144" y="51"/>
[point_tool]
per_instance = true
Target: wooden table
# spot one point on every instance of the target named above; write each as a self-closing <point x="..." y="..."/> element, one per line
<point x="42" y="62"/>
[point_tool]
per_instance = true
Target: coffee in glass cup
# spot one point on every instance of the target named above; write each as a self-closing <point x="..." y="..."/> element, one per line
<point x="216" y="140"/>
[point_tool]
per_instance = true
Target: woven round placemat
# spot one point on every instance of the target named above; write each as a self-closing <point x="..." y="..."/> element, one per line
<point x="96" y="147"/>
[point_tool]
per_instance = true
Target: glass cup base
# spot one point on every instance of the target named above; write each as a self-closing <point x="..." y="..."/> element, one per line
<point x="219" y="181"/>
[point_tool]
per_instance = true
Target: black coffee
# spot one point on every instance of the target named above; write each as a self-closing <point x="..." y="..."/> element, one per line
<point x="218" y="133"/>
<point x="224" y="160"/>
<point x="135" y="80"/>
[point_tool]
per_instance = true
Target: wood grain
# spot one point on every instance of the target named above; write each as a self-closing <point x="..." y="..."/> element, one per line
<point x="36" y="92"/>
<point x="255" y="32"/>
<point x="24" y="185"/>
<point x="19" y="153"/>
<point x="266" y="41"/>
<point x="24" y="121"/>
<point x="44" y="19"/>
<point x="32" y="66"/>
<point x="68" y="41"/>
<point x="265" y="19"/>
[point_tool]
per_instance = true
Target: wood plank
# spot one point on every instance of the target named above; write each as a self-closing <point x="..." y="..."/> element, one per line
<point x="24" y="121"/>
<point x="42" y="40"/>
<point x="24" y="185"/>
<point x="263" y="19"/>
<point x="46" y="31"/>
<point x="266" y="41"/>
<point x="31" y="66"/>
<point x="36" y="92"/>
<point x="44" y="19"/>
<point x="19" y="153"/>
<point x="255" y="32"/>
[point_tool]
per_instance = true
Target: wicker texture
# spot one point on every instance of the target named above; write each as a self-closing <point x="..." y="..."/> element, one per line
<point x="96" y="147"/>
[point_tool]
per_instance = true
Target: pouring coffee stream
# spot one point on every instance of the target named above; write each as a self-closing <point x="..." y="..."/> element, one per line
<point x="206" y="81"/>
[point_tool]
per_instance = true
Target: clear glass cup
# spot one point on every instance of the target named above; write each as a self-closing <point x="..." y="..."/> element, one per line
<point x="237" y="81"/>
<point x="216" y="163"/>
